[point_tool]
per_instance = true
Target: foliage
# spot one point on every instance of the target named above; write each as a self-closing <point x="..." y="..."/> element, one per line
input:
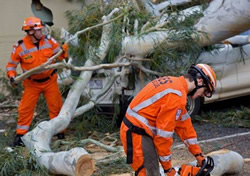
<point x="231" y="118"/>
<point x="4" y="81"/>
<point x="84" y="18"/>
<point x="2" y="97"/>
<point x="18" y="162"/>
<point x="175" y="61"/>
<point x="92" y="120"/>
<point x="114" y="167"/>
<point x="171" y="61"/>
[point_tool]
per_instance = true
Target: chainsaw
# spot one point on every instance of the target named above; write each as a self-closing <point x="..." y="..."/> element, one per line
<point x="204" y="170"/>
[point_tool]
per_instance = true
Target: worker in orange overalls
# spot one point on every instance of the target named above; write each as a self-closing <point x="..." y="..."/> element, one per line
<point x="156" y="113"/>
<point x="33" y="50"/>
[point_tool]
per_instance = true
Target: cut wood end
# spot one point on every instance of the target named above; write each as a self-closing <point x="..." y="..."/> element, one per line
<point x="247" y="160"/>
<point x="85" y="166"/>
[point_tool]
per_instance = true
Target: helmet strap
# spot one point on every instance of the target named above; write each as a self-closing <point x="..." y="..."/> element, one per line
<point x="192" y="92"/>
<point x="194" y="76"/>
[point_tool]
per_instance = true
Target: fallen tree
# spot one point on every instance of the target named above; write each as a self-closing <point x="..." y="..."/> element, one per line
<point x="139" y="38"/>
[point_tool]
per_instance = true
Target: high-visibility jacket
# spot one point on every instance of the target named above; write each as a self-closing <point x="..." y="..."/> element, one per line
<point x="29" y="56"/>
<point x="160" y="109"/>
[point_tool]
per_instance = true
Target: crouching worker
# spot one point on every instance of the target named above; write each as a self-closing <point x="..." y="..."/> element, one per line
<point x="31" y="51"/>
<point x="156" y="113"/>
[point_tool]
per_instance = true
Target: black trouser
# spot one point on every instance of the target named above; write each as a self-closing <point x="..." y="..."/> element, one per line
<point x="44" y="79"/>
<point x="151" y="162"/>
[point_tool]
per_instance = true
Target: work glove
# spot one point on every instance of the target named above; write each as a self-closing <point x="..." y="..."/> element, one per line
<point x="12" y="82"/>
<point x="200" y="159"/>
<point x="170" y="172"/>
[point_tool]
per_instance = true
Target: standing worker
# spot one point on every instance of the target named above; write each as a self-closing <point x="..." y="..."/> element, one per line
<point x="156" y="113"/>
<point x="33" y="50"/>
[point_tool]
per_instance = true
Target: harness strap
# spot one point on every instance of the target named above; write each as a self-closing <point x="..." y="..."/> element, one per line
<point x="131" y="129"/>
<point x="139" y="169"/>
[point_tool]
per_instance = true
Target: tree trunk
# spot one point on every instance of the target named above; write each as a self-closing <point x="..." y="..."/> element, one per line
<point x="231" y="17"/>
<point x="226" y="162"/>
<point x="224" y="19"/>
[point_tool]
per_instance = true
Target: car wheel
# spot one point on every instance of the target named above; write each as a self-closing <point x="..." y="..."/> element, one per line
<point x="193" y="106"/>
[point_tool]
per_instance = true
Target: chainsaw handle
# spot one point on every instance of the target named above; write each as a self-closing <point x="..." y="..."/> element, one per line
<point x="207" y="167"/>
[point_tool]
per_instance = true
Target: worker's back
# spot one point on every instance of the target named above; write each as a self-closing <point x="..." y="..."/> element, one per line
<point x="161" y="97"/>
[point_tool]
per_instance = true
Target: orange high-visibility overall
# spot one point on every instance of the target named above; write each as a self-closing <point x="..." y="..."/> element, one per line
<point x="29" y="56"/>
<point x="160" y="110"/>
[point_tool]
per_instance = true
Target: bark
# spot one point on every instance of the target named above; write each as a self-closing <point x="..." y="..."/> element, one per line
<point x="64" y="78"/>
<point x="217" y="13"/>
<point x="226" y="162"/>
<point x="238" y="40"/>
<point x="231" y="18"/>
<point x="155" y="9"/>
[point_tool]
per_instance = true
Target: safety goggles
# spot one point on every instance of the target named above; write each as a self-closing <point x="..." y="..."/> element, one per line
<point x="32" y="31"/>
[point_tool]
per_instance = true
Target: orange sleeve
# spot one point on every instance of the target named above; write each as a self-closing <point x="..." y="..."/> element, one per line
<point x="56" y="48"/>
<point x="13" y="62"/>
<point x="165" y="125"/>
<point x="187" y="133"/>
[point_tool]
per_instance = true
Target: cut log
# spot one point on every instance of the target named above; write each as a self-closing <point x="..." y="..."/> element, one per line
<point x="85" y="165"/>
<point x="226" y="162"/>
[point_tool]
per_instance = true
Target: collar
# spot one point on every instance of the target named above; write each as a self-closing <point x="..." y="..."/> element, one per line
<point x="184" y="84"/>
<point x="28" y="39"/>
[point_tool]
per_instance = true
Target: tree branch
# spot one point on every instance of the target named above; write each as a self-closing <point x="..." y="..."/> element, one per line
<point x="50" y="60"/>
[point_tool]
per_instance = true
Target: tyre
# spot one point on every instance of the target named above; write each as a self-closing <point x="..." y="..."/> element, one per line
<point x="193" y="106"/>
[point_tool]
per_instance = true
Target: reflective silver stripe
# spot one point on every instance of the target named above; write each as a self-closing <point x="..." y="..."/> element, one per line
<point x="163" y="133"/>
<point x="13" y="62"/>
<point x="148" y="102"/>
<point x="10" y="68"/>
<point x="185" y="117"/>
<point x="46" y="45"/>
<point x="56" y="50"/>
<point x="26" y="51"/>
<point x="191" y="141"/>
<point x="23" y="46"/>
<point x="141" y="119"/>
<point x="22" y="127"/>
<point x="165" y="158"/>
<point x="156" y="97"/>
